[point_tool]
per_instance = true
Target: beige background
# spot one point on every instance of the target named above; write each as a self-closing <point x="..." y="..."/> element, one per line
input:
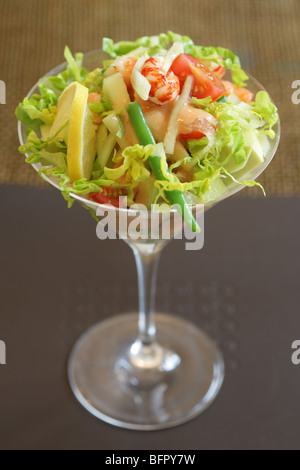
<point x="265" y="33"/>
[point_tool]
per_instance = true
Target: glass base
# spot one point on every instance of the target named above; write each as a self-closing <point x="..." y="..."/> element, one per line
<point x="100" y="357"/>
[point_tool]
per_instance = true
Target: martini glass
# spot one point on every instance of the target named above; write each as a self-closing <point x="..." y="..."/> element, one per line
<point x="146" y="370"/>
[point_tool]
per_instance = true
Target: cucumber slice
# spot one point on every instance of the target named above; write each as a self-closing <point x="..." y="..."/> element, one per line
<point x="114" y="87"/>
<point x="258" y="148"/>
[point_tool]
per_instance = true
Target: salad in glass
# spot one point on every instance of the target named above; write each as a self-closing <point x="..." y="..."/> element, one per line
<point x="159" y="121"/>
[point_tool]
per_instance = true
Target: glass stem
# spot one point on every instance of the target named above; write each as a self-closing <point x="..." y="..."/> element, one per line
<point x="147" y="259"/>
<point x="148" y="362"/>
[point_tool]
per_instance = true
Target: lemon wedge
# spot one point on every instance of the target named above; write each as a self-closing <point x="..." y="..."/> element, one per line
<point x="79" y="132"/>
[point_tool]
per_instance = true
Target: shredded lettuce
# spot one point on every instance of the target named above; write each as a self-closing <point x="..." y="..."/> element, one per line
<point x="238" y="127"/>
<point x="196" y="146"/>
<point x="115" y="49"/>
<point x="103" y="108"/>
<point x="74" y="67"/>
<point x="73" y="72"/>
<point x="52" y="156"/>
<point x="44" y="152"/>
<point x="40" y="108"/>
<point x="94" y="80"/>
<point x="159" y="45"/>
<point x="267" y="110"/>
<point x="132" y="165"/>
<point x="32" y="115"/>
<point x="201" y="102"/>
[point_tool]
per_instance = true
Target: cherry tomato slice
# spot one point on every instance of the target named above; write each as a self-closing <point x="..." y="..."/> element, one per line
<point x="192" y="135"/>
<point x="206" y="83"/>
<point x="108" y="196"/>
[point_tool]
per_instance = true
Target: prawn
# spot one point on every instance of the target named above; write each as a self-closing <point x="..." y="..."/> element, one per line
<point x="95" y="98"/>
<point x="242" y="93"/>
<point x="164" y="87"/>
<point x="193" y="121"/>
<point x="125" y="66"/>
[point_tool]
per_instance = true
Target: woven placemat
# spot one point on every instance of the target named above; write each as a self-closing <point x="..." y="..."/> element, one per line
<point x="264" y="33"/>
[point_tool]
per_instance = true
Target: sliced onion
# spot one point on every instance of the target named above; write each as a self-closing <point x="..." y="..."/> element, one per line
<point x="211" y="135"/>
<point x="172" y="130"/>
<point x="139" y="82"/>
<point x="159" y="151"/>
<point x="174" y="52"/>
<point x="112" y="123"/>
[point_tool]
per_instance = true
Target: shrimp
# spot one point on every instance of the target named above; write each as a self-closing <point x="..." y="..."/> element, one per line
<point x="164" y="87"/>
<point x="123" y="65"/>
<point x="242" y="93"/>
<point x="229" y="87"/>
<point x="193" y="120"/>
<point x="195" y="123"/>
<point x="95" y="98"/>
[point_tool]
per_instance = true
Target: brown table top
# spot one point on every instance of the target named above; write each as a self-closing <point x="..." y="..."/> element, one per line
<point x="57" y="279"/>
<point x="264" y="34"/>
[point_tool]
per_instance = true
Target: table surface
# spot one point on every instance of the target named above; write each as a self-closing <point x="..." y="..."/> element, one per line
<point x="57" y="279"/>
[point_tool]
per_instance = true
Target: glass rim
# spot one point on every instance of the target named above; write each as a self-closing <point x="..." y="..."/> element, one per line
<point x="96" y="205"/>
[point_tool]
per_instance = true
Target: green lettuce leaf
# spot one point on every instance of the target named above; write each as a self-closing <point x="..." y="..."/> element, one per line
<point x="133" y="165"/>
<point x="94" y="80"/>
<point x="44" y="152"/>
<point x="40" y="108"/>
<point x="74" y="68"/>
<point x="31" y="116"/>
<point x="55" y="85"/>
<point x="238" y="126"/>
<point x="196" y="146"/>
<point x="201" y="102"/>
<point x="267" y="110"/>
<point x="57" y="159"/>
<point x="103" y="108"/>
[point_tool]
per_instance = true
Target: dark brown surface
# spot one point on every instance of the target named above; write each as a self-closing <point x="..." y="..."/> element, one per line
<point x="57" y="279"/>
<point x="264" y="33"/>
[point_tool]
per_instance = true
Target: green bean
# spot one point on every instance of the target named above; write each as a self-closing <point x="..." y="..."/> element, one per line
<point x="145" y="137"/>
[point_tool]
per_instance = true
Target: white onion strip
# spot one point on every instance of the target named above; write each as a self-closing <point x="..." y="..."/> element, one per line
<point x="174" y="52"/>
<point x="139" y="82"/>
<point x="211" y="135"/>
<point x="172" y="130"/>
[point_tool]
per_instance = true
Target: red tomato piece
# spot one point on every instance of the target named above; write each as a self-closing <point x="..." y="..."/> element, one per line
<point x="109" y="196"/>
<point x="206" y="83"/>
<point x="192" y="135"/>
